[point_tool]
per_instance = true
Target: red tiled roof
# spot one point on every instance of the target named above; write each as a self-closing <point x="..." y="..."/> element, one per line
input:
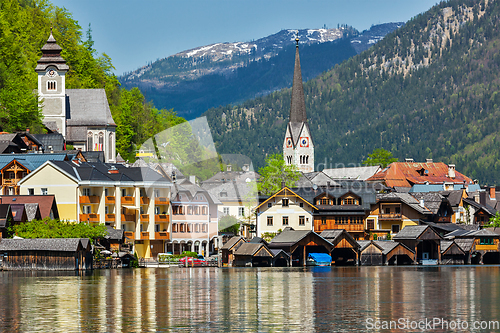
<point x="45" y="202"/>
<point x="405" y="174"/>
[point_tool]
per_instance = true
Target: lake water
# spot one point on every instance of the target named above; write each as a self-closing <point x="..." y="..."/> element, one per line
<point x="250" y="299"/>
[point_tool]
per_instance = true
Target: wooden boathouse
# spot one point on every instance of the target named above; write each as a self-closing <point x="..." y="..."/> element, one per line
<point x="345" y="248"/>
<point x="46" y="254"/>
<point x="374" y="253"/>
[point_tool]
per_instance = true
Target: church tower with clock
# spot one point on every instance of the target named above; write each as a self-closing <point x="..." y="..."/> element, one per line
<point x="51" y="69"/>
<point x="298" y="148"/>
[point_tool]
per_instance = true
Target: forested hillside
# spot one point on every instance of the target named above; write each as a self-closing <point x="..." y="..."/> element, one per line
<point x="24" y="29"/>
<point x="428" y="90"/>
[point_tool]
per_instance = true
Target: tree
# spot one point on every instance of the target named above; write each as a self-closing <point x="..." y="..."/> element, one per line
<point x="229" y="223"/>
<point x="48" y="228"/>
<point x="381" y="157"/>
<point x="494" y="221"/>
<point x="274" y="173"/>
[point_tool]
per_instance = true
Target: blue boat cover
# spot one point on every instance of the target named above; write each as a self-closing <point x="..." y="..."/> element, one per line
<point x="320" y="257"/>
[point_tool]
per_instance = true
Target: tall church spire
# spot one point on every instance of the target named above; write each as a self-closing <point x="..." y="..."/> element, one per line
<point x="298" y="148"/>
<point x="298" y="105"/>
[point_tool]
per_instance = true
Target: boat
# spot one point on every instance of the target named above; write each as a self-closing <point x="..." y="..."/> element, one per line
<point x="431" y="262"/>
<point x="318" y="259"/>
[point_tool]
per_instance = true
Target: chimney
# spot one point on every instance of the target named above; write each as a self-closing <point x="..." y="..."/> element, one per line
<point x="482" y="198"/>
<point x="428" y="160"/>
<point x="476" y="197"/>
<point x="422" y="204"/>
<point x="327" y="185"/>
<point x="228" y="167"/>
<point x="493" y="193"/>
<point x="174" y="178"/>
<point x="192" y="179"/>
<point x="408" y="159"/>
<point x="27" y="130"/>
<point x="451" y="171"/>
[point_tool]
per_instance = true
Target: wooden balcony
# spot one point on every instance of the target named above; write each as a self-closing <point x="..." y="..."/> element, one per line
<point x="129" y="234"/>
<point x="480" y="247"/>
<point x="128" y="217"/>
<point x="162" y="218"/>
<point x="144" y="201"/>
<point x="110" y="218"/>
<point x="10" y="181"/>
<point x="128" y="201"/>
<point x="89" y="217"/>
<point x="144" y="235"/>
<point x="162" y="201"/>
<point x="390" y="216"/>
<point x="144" y="217"/>
<point x="110" y="199"/>
<point x="162" y="235"/>
<point x="92" y="199"/>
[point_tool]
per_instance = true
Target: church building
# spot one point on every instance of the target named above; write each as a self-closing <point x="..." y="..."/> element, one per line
<point x="82" y="116"/>
<point x="298" y="148"/>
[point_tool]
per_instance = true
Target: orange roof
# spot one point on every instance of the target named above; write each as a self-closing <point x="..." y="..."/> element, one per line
<point x="405" y="174"/>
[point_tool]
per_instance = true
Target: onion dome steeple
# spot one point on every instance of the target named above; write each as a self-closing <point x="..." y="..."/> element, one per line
<point x="51" y="56"/>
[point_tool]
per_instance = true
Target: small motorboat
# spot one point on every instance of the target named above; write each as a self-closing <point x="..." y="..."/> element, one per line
<point x="318" y="259"/>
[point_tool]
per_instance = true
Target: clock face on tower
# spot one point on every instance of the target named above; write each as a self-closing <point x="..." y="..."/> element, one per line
<point x="51" y="73"/>
<point x="288" y="142"/>
<point x="304" y="142"/>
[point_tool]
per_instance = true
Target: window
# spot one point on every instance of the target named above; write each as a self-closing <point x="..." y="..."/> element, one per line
<point x="197" y="227"/>
<point x="183" y="227"/>
<point x="204" y="227"/>
<point x="174" y="210"/>
<point x="370" y="224"/>
<point x="349" y="201"/>
<point x="301" y="204"/>
<point x="106" y="192"/>
<point x="241" y="211"/>
<point x="269" y="220"/>
<point x="174" y="227"/>
<point x="223" y="194"/>
<point x="395" y="228"/>
<point x="51" y="85"/>
<point x="197" y="210"/>
<point x="124" y="192"/>
<point x="387" y="210"/>
<point x="86" y="210"/>
<point x="142" y="228"/>
<point x="225" y="210"/>
<point x="189" y="227"/>
<point x="284" y="202"/>
<point x="302" y="220"/>
<point x="31" y="191"/>
<point x="324" y="201"/>
<point x="157" y="228"/>
<point x="269" y="204"/>
<point x="90" y="142"/>
<point x="398" y="210"/>
<point x="44" y="191"/>
<point x="285" y="220"/>
<point x="204" y="210"/>
<point x="106" y="210"/>
<point x="189" y="210"/>
<point x="110" y="146"/>
<point x="323" y="220"/>
<point x="486" y="241"/>
<point x="86" y="192"/>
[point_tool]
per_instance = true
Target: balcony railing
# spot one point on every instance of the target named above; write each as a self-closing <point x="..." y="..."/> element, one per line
<point x="89" y="217"/>
<point x="128" y="217"/>
<point x="10" y="181"/>
<point x="144" y="217"/>
<point x="89" y="199"/>
<point x="144" y="235"/>
<point x="390" y="216"/>
<point x="110" y="217"/>
<point x="162" y="235"/>
<point x="128" y="200"/>
<point x="161" y="201"/>
<point x="162" y="218"/>
<point x="144" y="201"/>
<point x="110" y="199"/>
<point x="129" y="234"/>
<point x="483" y="247"/>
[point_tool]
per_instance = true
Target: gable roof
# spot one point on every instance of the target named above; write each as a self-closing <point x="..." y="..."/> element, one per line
<point x="432" y="200"/>
<point x="41" y="244"/>
<point x="46" y="203"/>
<point x="88" y="107"/>
<point x="232" y="242"/>
<point x="406" y="198"/>
<point x="285" y="189"/>
<point x="358" y="173"/>
<point x="414" y="232"/>
<point x="405" y="174"/>
<point x="5" y="215"/>
<point x="250" y="249"/>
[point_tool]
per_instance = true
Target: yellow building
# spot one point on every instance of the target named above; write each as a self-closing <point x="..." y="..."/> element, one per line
<point x="133" y="199"/>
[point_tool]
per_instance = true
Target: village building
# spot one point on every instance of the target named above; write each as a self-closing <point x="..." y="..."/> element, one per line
<point x="346" y="249"/>
<point x="282" y="210"/>
<point x="424" y="240"/>
<point x="46" y="254"/>
<point x="136" y="200"/>
<point x="6" y="219"/>
<point x="480" y="246"/>
<point x="228" y="249"/>
<point x="298" y="146"/>
<point x="253" y="255"/>
<point x="376" y="253"/>
<point x="36" y="206"/>
<point x="194" y="219"/>
<point x="403" y="176"/>
<point x="452" y="253"/>
<point x="82" y="116"/>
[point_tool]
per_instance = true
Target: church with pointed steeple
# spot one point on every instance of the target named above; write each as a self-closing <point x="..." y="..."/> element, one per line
<point x="82" y="116"/>
<point x="298" y="148"/>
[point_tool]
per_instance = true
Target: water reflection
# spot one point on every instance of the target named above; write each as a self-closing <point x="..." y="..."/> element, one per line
<point x="247" y="299"/>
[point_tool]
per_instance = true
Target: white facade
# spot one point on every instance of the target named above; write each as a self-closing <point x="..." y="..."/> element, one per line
<point x="299" y="151"/>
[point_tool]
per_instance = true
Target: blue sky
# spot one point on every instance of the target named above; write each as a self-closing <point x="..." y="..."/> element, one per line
<point x="134" y="32"/>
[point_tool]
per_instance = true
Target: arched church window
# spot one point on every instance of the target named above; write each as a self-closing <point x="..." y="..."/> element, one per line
<point x="110" y="146"/>
<point x="90" y="144"/>
<point x="96" y="142"/>
<point x="51" y="85"/>
<point x="101" y="141"/>
<point x="307" y="159"/>
<point x="289" y="159"/>
<point x="300" y="159"/>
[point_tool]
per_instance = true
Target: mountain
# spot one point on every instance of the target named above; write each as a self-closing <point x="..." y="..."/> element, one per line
<point x="430" y="89"/>
<point x="193" y="81"/>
